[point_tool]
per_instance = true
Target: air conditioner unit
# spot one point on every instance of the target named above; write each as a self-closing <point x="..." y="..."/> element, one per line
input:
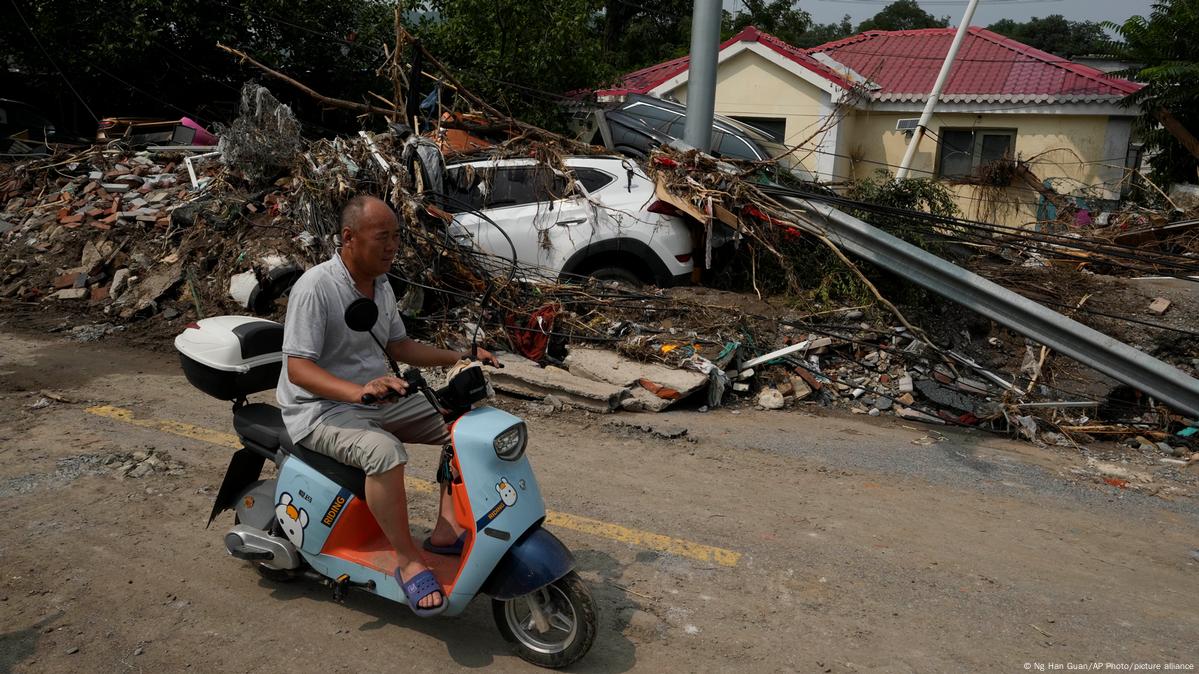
<point x="907" y="125"/>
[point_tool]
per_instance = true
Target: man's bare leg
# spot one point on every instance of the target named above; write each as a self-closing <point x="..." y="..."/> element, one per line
<point x="447" y="530"/>
<point x="388" y="502"/>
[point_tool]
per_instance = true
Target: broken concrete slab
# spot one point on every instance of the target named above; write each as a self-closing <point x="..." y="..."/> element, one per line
<point x="120" y="279"/>
<point x="523" y="377"/>
<point x="153" y="288"/>
<point x="917" y="415"/>
<point x="94" y="253"/>
<point x="612" y="368"/>
<point x="72" y="294"/>
<point x="945" y="396"/>
<point x="641" y="400"/>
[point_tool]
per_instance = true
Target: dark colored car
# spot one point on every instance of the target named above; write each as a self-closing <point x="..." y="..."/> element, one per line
<point x="641" y="123"/>
<point x="25" y="130"/>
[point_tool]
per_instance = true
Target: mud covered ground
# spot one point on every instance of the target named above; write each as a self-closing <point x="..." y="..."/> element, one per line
<point x="860" y="544"/>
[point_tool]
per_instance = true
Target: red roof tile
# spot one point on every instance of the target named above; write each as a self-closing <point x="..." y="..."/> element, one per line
<point x="903" y="66"/>
<point x="644" y="80"/>
<point x="988" y="68"/>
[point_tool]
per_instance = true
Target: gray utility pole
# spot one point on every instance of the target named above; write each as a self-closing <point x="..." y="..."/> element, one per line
<point x="701" y="74"/>
<point x="942" y="76"/>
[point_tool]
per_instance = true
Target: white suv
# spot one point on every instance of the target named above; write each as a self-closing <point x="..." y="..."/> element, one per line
<point x="609" y="226"/>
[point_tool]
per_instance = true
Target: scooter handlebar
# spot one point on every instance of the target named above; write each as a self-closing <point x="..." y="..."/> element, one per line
<point x="415" y="383"/>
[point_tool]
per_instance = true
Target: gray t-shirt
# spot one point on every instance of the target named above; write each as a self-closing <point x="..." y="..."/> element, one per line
<point x="315" y="329"/>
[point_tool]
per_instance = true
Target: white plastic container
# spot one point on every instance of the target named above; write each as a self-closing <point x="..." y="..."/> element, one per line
<point x="230" y="357"/>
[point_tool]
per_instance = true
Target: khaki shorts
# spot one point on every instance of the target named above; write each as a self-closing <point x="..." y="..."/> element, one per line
<point x="373" y="439"/>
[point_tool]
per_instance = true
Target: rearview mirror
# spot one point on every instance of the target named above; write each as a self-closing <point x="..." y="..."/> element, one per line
<point x="362" y="314"/>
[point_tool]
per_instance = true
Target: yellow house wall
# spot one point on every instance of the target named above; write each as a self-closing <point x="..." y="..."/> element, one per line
<point x="748" y="85"/>
<point x="1066" y="148"/>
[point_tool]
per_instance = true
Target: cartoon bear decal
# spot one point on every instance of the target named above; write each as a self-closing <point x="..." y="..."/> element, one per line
<point x="507" y="492"/>
<point x="292" y="519"/>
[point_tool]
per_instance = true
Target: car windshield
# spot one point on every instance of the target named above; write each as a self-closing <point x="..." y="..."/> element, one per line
<point x="730" y="145"/>
<point x="790" y="161"/>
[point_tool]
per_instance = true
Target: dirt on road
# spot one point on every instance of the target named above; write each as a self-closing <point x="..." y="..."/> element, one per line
<point x="859" y="544"/>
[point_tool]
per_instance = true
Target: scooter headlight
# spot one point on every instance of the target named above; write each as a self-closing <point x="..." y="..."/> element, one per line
<point x="510" y="445"/>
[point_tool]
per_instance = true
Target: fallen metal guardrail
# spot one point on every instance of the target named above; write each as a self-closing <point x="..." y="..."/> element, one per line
<point x="1112" y="357"/>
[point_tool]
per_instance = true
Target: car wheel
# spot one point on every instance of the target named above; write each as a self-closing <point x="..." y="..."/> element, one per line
<point x="617" y="274"/>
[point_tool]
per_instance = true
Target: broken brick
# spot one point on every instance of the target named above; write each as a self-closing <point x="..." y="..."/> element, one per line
<point x="66" y="280"/>
<point x="810" y="378"/>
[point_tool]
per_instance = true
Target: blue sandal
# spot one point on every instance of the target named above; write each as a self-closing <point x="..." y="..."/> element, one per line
<point x="454" y="548"/>
<point x="420" y="586"/>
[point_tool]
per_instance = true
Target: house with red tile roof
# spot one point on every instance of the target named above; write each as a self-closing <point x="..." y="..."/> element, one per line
<point x="849" y="105"/>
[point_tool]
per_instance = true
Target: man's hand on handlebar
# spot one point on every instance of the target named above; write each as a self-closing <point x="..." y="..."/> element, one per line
<point x="382" y="389"/>
<point x="488" y="358"/>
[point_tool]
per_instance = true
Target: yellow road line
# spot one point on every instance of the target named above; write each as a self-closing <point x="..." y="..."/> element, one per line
<point x="645" y="539"/>
<point x="212" y="437"/>
<point x="586" y="525"/>
<point x="172" y="427"/>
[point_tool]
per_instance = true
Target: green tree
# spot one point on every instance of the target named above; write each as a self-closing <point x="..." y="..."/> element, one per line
<point x="1056" y="35"/>
<point x="155" y="57"/>
<point x="902" y="15"/>
<point x="519" y="54"/>
<point x="638" y="34"/>
<point x="1164" y="45"/>
<point x="821" y="33"/>
<point x="781" y="18"/>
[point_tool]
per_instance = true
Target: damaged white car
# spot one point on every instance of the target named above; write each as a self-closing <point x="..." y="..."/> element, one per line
<point x="602" y="221"/>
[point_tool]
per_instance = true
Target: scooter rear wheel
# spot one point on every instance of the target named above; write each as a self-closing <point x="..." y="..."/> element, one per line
<point x="567" y="617"/>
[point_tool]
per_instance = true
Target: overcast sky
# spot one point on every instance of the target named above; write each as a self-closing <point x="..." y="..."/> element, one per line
<point x="988" y="12"/>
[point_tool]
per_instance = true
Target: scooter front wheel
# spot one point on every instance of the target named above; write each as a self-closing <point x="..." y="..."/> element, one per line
<point x="551" y="627"/>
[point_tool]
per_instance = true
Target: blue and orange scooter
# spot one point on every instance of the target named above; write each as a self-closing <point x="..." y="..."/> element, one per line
<point x="312" y="521"/>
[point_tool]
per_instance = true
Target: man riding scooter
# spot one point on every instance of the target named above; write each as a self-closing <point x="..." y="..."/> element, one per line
<point x="329" y="370"/>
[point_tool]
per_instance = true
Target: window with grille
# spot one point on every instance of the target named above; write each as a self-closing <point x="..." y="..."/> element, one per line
<point x="962" y="151"/>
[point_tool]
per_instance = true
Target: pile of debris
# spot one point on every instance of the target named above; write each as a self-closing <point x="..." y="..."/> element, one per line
<point x="166" y="231"/>
<point x="123" y="231"/>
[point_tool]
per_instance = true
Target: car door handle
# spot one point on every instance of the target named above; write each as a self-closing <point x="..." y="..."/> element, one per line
<point x="568" y="223"/>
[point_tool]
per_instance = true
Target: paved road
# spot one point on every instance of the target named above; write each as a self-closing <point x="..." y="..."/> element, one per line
<point x="762" y="541"/>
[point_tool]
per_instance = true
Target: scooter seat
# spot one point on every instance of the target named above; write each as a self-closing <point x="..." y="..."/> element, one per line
<point x="349" y="477"/>
<point x="262" y="425"/>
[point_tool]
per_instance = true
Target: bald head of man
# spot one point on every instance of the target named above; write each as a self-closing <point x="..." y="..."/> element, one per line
<point x="369" y="237"/>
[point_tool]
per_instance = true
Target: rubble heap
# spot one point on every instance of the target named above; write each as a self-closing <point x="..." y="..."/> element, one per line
<point x="128" y="235"/>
